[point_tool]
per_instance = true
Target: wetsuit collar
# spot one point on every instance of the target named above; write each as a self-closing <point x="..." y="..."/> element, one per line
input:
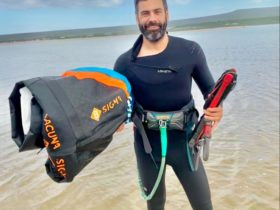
<point x="136" y="48"/>
<point x="135" y="51"/>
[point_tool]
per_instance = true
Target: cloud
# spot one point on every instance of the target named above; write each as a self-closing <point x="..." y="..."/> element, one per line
<point x="184" y="2"/>
<point x="58" y="3"/>
<point x="259" y="1"/>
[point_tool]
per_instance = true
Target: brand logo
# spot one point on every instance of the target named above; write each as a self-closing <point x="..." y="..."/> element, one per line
<point x="164" y="71"/>
<point x="53" y="142"/>
<point x="111" y="105"/>
<point x="163" y="117"/>
<point x="60" y="167"/>
<point x="96" y="113"/>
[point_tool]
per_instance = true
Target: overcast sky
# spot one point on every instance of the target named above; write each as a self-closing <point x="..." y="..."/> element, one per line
<point x="20" y="16"/>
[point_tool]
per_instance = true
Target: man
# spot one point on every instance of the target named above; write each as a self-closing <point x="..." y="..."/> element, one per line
<point x="160" y="69"/>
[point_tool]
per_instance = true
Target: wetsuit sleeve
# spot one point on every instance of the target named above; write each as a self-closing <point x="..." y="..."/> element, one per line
<point x="201" y="74"/>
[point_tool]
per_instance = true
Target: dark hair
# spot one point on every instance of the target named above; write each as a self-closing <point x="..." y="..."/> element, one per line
<point x="136" y="2"/>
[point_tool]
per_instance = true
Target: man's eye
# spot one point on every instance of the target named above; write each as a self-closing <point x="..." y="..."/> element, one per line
<point x="145" y="14"/>
<point x="158" y="12"/>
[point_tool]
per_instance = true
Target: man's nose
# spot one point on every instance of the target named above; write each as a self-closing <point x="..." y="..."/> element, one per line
<point x="152" y="17"/>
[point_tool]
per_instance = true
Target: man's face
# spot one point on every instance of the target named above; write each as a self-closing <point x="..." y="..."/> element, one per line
<point x="152" y="19"/>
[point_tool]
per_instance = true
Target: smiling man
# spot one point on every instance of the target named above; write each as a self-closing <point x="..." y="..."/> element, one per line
<point x="160" y="69"/>
<point x="152" y="24"/>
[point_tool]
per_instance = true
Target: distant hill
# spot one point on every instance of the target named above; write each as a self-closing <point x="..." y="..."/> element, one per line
<point x="242" y="17"/>
<point x="255" y="16"/>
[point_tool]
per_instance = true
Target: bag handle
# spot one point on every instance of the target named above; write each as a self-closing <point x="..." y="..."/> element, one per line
<point x="33" y="139"/>
<point x="15" y="113"/>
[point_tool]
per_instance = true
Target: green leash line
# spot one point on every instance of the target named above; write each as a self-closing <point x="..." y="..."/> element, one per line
<point x="163" y="139"/>
<point x="189" y="157"/>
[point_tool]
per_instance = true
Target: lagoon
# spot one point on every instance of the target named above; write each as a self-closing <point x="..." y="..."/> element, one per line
<point x="243" y="168"/>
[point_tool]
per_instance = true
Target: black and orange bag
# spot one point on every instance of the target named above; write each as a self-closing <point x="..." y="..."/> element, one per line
<point x="73" y="116"/>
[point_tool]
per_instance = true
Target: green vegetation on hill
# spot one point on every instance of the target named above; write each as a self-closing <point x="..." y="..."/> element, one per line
<point x="231" y="23"/>
<point x="243" y="17"/>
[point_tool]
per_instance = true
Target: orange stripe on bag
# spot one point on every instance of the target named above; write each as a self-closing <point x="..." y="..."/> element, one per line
<point x="102" y="78"/>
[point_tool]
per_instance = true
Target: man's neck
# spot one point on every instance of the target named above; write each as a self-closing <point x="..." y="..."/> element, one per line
<point x="153" y="48"/>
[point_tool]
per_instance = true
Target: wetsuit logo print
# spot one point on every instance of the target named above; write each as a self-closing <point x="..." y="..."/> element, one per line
<point x="164" y="71"/>
<point x="96" y="114"/>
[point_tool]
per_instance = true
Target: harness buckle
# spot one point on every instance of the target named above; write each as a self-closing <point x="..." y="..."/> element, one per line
<point x="162" y="123"/>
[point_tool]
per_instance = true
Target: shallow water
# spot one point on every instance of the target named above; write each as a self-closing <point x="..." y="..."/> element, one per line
<point x="243" y="169"/>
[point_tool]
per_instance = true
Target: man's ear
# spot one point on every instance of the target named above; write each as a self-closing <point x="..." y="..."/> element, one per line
<point x="136" y="19"/>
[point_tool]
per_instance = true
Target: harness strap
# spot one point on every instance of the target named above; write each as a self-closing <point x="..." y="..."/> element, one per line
<point x="146" y="143"/>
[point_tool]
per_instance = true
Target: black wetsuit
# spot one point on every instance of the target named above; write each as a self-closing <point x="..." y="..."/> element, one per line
<point x="162" y="82"/>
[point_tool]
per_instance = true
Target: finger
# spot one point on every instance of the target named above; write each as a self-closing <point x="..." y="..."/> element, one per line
<point x="212" y="118"/>
<point x="212" y="114"/>
<point x="212" y="110"/>
<point x="217" y="115"/>
<point x="215" y="109"/>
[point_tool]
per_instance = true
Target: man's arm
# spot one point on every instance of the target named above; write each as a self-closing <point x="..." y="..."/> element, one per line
<point x="201" y="73"/>
<point x="205" y="82"/>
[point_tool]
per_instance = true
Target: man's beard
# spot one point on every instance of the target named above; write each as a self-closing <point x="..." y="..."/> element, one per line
<point x="153" y="35"/>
